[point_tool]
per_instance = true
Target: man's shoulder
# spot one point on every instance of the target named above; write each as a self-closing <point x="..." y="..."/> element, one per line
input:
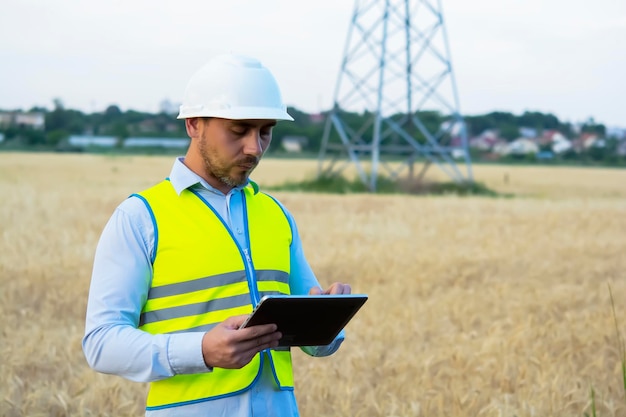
<point x="158" y="187"/>
<point x="273" y="201"/>
<point x="136" y="203"/>
<point x="264" y="195"/>
<point x="132" y="211"/>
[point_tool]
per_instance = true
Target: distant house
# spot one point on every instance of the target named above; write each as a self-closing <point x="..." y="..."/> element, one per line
<point x="528" y="132"/>
<point x="32" y="120"/>
<point x="561" y="146"/>
<point x="294" y="144"/>
<point x="6" y="119"/>
<point x="485" y="141"/>
<point x="553" y="136"/>
<point x="557" y="141"/>
<point x="453" y="127"/>
<point x="589" y="140"/>
<point x="1" y="137"/>
<point x="500" y="148"/>
<point x="519" y="147"/>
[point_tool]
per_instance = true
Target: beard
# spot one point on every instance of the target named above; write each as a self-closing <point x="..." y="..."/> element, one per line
<point x="229" y="173"/>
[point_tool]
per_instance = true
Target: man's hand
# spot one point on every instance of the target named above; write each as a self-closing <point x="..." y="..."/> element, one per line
<point x="228" y="346"/>
<point x="335" y="288"/>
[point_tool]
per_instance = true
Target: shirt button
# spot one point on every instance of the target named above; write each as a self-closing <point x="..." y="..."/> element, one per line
<point x="239" y="231"/>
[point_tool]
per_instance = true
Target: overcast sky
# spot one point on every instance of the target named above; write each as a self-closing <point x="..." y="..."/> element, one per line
<point x="566" y="57"/>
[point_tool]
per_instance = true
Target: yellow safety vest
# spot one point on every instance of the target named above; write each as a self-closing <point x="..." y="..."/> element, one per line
<point x="200" y="278"/>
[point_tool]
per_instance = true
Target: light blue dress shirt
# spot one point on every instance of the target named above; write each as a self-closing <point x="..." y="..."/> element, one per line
<point x="121" y="278"/>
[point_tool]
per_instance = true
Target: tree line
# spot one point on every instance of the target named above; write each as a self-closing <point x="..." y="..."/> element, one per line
<point x="61" y="122"/>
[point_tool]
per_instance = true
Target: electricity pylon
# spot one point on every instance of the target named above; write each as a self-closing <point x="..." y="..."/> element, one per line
<point x="395" y="83"/>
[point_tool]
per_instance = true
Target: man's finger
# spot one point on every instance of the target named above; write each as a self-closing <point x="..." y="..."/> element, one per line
<point x="315" y="291"/>
<point x="253" y="332"/>
<point x="338" y="288"/>
<point x="235" y="322"/>
<point x="257" y="344"/>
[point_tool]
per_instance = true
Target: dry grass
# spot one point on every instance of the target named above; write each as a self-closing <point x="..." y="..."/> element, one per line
<point x="478" y="306"/>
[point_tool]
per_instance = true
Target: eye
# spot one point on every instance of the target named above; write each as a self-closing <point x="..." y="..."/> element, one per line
<point x="266" y="131"/>
<point x="239" y="130"/>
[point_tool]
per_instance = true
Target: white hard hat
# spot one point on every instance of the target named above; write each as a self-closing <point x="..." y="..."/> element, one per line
<point x="233" y="87"/>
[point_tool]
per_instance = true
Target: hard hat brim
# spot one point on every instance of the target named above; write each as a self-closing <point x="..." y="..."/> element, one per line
<point x="239" y="113"/>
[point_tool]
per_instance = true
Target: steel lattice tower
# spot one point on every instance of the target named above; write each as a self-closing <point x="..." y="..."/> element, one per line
<point x="396" y="72"/>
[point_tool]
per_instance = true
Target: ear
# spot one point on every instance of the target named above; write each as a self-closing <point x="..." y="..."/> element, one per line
<point x="194" y="127"/>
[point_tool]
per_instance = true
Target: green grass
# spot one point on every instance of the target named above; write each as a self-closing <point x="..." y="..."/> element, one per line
<point x="337" y="184"/>
<point x="622" y="352"/>
<point x="620" y="343"/>
<point x="592" y="394"/>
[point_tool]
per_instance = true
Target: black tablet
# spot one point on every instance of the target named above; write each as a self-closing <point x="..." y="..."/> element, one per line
<point x="306" y="320"/>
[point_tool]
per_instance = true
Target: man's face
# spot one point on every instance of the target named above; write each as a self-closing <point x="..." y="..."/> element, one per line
<point x="231" y="149"/>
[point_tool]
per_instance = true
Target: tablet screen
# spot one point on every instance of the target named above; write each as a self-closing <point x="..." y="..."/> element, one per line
<point x="308" y="320"/>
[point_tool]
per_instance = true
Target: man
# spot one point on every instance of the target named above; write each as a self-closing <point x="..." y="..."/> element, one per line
<point x="179" y="266"/>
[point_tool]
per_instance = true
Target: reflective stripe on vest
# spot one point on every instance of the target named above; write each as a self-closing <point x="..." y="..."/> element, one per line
<point x="200" y="278"/>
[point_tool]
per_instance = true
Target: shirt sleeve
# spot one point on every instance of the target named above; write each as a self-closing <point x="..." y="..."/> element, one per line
<point x="301" y="280"/>
<point x="121" y="277"/>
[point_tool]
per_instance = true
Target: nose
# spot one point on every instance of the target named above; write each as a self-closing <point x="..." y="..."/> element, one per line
<point x="253" y="143"/>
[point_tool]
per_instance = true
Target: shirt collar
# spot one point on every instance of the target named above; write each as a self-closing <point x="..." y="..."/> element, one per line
<point x="182" y="178"/>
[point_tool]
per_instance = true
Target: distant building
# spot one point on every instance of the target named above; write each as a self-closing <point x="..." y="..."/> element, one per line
<point x="32" y="120"/>
<point x="83" y="141"/>
<point x="561" y="146"/>
<point x="1" y="137"/>
<point x="294" y="144"/>
<point x="519" y="147"/>
<point x="587" y="141"/>
<point x="6" y="119"/>
<point x="621" y="148"/>
<point x="485" y="141"/>
<point x="556" y="141"/>
<point x="453" y="127"/>
<point x="544" y="156"/>
<point x="168" y="107"/>
<point x="500" y="148"/>
<point x="142" y="142"/>
<point x="528" y="132"/>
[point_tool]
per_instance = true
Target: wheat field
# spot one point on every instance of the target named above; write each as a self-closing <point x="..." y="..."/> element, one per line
<point x="494" y="307"/>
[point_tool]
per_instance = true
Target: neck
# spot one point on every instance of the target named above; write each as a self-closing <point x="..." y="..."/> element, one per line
<point x="195" y="163"/>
